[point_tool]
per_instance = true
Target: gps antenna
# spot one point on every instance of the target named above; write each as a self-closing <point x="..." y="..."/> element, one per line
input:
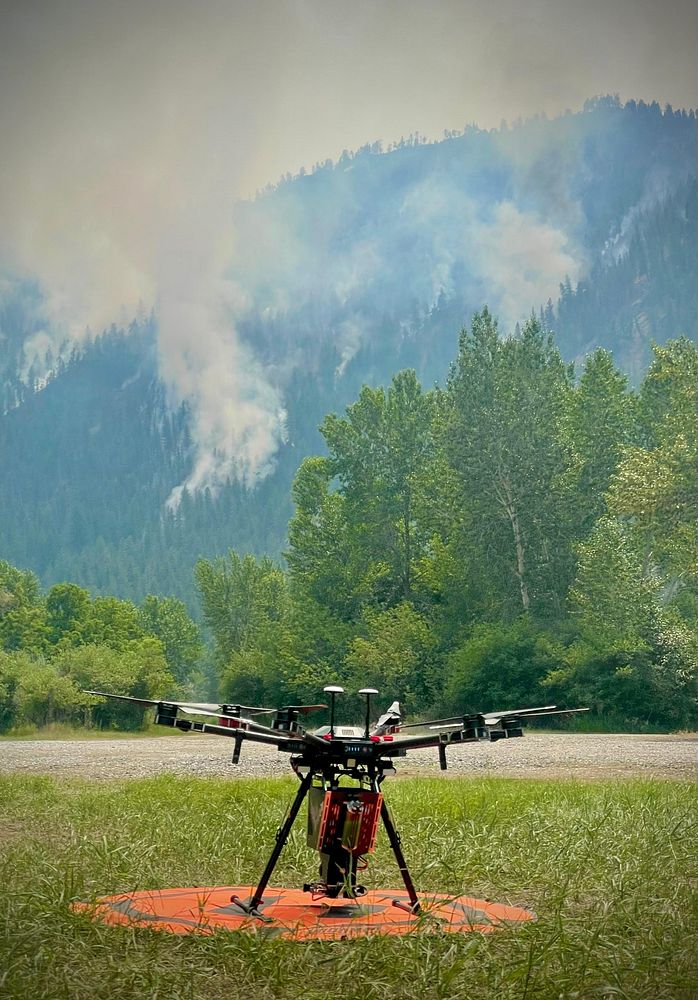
<point x="332" y="690"/>
<point x="367" y="692"/>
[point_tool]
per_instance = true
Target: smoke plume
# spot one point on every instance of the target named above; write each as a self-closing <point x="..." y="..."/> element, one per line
<point x="130" y="129"/>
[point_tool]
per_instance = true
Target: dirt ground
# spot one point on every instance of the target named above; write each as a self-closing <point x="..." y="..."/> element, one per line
<point x="537" y="755"/>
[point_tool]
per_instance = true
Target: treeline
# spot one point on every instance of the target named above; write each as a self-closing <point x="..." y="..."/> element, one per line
<point x="515" y="537"/>
<point x="54" y="647"/>
<point x="519" y="536"/>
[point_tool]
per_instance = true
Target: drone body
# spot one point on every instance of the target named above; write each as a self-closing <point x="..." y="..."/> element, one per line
<point x="341" y="770"/>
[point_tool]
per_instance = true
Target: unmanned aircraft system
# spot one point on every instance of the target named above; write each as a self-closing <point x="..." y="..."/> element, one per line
<point x="341" y="770"/>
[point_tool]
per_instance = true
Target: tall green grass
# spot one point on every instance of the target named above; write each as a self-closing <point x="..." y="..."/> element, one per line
<point x="610" y="869"/>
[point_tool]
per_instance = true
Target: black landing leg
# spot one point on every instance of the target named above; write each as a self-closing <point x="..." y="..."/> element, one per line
<point x="252" y="908"/>
<point x="394" y="838"/>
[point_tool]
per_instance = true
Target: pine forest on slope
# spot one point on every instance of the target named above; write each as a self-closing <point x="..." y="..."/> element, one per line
<point x="387" y="255"/>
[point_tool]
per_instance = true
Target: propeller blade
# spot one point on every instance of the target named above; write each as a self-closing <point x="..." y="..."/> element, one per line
<point x="535" y="714"/>
<point x="218" y="708"/>
<point x="190" y="707"/>
<point x="250" y="709"/>
<point x="302" y="709"/>
<point x="518" y="712"/>
<point x="433" y="723"/>
<point x="197" y="710"/>
<point x="493" y="718"/>
<point x="145" y="702"/>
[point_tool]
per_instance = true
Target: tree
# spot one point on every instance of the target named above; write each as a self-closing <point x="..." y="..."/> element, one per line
<point x="655" y="489"/>
<point x="113" y="622"/>
<point x="379" y="454"/>
<point x="22" y="614"/>
<point x="395" y="655"/>
<point x="355" y="538"/>
<point x="321" y="557"/>
<point x="168" y="620"/>
<point x="500" y="666"/>
<point x="601" y="422"/>
<point x="138" y="669"/>
<point x="238" y="596"/>
<point x="506" y="443"/>
<point x="67" y="612"/>
<point x="43" y="696"/>
<point x="612" y="596"/>
<point x="635" y="659"/>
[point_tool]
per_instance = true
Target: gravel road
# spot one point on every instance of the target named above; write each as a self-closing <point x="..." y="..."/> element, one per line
<point x="538" y="755"/>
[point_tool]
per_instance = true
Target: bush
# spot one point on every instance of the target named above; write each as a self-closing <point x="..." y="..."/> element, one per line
<point x="500" y="667"/>
<point x="32" y="692"/>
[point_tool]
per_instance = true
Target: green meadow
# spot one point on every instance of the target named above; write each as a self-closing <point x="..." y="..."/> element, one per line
<point x="609" y="868"/>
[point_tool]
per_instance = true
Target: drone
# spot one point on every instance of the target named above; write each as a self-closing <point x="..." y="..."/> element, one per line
<point x="341" y="770"/>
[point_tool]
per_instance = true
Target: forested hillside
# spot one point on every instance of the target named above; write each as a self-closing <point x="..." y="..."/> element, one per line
<point x="345" y="275"/>
<point x="516" y="537"/>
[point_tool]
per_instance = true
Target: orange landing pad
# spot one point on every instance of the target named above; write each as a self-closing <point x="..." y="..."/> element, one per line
<point x="295" y="914"/>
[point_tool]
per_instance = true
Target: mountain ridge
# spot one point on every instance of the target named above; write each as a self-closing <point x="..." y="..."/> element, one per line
<point x="352" y="298"/>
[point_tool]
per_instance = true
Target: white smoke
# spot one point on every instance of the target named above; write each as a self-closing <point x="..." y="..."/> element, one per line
<point x="522" y="260"/>
<point x="239" y="417"/>
<point x="129" y="129"/>
<point x="416" y="239"/>
<point x="121" y="203"/>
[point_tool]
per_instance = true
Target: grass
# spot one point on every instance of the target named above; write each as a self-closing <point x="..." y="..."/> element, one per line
<point x="610" y="869"/>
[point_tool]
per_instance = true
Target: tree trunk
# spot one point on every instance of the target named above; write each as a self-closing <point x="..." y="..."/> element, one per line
<point x="508" y="503"/>
<point x="408" y="546"/>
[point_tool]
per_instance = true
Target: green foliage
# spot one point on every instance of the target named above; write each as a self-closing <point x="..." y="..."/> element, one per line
<point x="506" y="442"/>
<point x="52" y="648"/>
<point x="33" y="692"/>
<point x="356" y="537"/>
<point x="528" y="494"/>
<point x="613" y="596"/>
<point x="394" y="654"/>
<point x="167" y="619"/>
<point x="139" y="670"/>
<point x="655" y="488"/>
<point x="320" y="555"/>
<point x="500" y="667"/>
<point x="112" y="622"/>
<point x="645" y="684"/>
<point x="380" y="455"/>
<point x="67" y="611"/>
<point x="239" y="597"/>
<point x="22" y="615"/>
<point x="600" y="422"/>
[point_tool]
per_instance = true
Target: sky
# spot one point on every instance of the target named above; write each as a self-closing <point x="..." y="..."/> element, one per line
<point x="129" y="129"/>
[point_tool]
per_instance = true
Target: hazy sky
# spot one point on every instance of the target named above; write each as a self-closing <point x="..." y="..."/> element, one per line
<point x="129" y="126"/>
<point x="123" y="122"/>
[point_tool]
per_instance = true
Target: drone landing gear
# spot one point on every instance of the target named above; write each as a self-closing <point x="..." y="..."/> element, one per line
<point x="252" y="908"/>
<point x="337" y="869"/>
<point x="394" y="838"/>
